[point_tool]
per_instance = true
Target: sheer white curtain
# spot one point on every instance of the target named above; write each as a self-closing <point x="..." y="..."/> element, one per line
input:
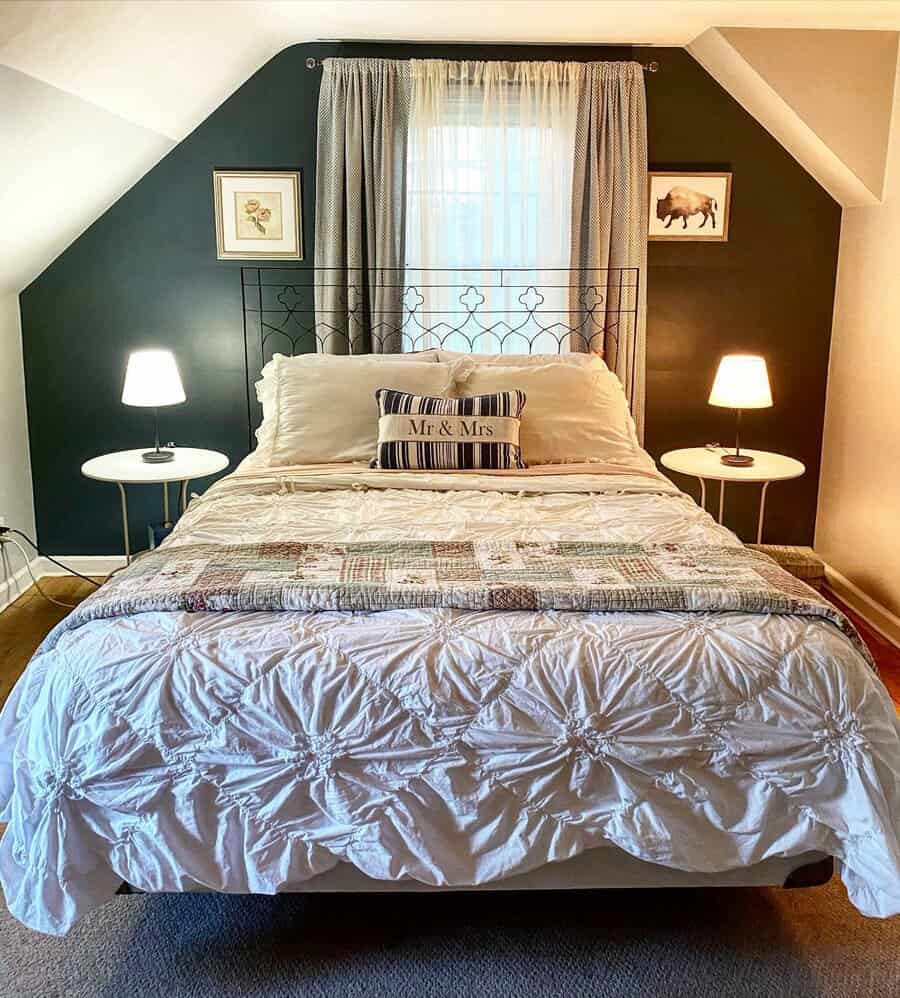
<point x="489" y="184"/>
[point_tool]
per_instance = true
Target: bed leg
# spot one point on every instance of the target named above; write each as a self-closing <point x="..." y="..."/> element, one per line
<point x="811" y="875"/>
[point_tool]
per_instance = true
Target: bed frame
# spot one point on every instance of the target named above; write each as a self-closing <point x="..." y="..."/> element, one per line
<point x="466" y="309"/>
<point x="484" y="310"/>
<point x="597" y="869"/>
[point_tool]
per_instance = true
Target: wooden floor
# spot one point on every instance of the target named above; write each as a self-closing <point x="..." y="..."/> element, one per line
<point x="24" y="625"/>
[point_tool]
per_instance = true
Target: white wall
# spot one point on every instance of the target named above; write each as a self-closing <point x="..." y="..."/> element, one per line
<point x="15" y="467"/>
<point x="858" y="526"/>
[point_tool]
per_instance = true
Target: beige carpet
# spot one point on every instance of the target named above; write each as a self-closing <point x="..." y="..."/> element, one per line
<point x="652" y="944"/>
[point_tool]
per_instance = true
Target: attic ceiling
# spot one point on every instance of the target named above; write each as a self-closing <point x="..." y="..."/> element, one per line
<point x="94" y="92"/>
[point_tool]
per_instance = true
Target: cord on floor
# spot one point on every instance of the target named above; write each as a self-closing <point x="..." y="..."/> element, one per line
<point x="4" y="540"/>
<point x="4" y="531"/>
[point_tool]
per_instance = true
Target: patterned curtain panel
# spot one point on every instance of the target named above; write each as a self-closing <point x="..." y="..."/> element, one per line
<point x="361" y="204"/>
<point x="609" y="212"/>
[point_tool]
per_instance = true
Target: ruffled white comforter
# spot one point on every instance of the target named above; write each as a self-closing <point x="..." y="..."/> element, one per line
<point x="252" y="751"/>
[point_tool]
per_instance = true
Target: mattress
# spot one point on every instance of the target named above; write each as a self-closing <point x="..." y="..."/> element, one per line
<point x="254" y="751"/>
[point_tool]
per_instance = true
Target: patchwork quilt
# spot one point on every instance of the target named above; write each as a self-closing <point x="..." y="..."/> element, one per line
<point x="181" y="731"/>
<point x="462" y="575"/>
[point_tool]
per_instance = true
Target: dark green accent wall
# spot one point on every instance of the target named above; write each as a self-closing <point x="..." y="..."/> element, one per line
<point x="146" y="274"/>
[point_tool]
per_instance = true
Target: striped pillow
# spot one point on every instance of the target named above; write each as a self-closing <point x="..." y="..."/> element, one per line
<point x="443" y="434"/>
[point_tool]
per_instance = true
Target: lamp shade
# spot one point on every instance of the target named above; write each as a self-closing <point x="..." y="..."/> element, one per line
<point x="742" y="382"/>
<point x="152" y="379"/>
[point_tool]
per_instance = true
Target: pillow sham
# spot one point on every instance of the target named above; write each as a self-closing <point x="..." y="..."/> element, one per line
<point x="464" y="364"/>
<point x="320" y="409"/>
<point x="518" y="359"/>
<point x="575" y="413"/>
<point x="446" y="434"/>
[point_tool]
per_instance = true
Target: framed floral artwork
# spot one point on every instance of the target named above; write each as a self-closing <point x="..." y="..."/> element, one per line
<point x="258" y="215"/>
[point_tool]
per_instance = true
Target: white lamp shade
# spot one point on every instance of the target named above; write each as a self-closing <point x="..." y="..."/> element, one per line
<point x="152" y="379"/>
<point x="742" y="382"/>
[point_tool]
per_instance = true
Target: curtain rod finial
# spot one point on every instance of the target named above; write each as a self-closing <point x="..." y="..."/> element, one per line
<point x="652" y="67"/>
<point x="311" y="63"/>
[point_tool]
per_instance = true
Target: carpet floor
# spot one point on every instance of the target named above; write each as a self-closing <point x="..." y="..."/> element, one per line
<point x="756" y="943"/>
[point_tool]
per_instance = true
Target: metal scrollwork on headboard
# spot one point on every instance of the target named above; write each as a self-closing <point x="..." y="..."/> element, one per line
<point x="296" y="310"/>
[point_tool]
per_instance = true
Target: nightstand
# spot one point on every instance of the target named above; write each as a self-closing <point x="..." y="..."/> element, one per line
<point x="704" y="463"/>
<point x="126" y="467"/>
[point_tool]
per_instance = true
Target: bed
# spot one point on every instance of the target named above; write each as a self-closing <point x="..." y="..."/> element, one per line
<point x="251" y="708"/>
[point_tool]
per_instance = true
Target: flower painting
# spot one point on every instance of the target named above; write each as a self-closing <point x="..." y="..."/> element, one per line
<point x="258" y="215"/>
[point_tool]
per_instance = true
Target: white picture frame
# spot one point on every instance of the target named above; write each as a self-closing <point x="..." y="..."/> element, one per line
<point x="258" y="214"/>
<point x="688" y="206"/>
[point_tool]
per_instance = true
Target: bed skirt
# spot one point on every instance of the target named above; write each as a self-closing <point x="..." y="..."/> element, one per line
<point x="595" y="869"/>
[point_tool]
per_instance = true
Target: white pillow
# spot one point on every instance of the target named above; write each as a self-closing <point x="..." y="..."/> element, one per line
<point x="572" y="414"/>
<point x="321" y="409"/>
<point x="519" y="359"/>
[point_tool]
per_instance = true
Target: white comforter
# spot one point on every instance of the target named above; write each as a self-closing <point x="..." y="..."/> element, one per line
<point x="252" y="751"/>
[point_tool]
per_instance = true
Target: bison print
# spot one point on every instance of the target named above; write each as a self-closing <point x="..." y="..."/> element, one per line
<point x="682" y="203"/>
<point x="685" y="206"/>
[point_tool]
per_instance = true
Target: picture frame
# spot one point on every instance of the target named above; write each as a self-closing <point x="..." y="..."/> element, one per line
<point x="258" y="214"/>
<point x="688" y="206"/>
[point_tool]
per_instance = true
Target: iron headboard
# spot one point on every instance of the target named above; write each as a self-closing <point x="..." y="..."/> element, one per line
<point x="466" y="309"/>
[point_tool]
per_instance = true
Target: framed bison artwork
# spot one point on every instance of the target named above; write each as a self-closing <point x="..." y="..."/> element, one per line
<point x="689" y="206"/>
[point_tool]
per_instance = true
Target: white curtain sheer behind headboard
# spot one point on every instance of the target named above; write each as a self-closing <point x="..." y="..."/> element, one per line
<point x="489" y="173"/>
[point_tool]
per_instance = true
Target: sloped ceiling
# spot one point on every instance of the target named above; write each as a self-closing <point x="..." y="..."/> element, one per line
<point x="841" y="83"/>
<point x="826" y="95"/>
<point x="94" y="92"/>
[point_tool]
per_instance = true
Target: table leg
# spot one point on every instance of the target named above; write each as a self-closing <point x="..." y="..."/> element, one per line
<point x="762" y="513"/>
<point x="703" y="494"/>
<point x="721" y="500"/>
<point x="165" y="503"/>
<point x="125" y="522"/>
<point x="184" y="492"/>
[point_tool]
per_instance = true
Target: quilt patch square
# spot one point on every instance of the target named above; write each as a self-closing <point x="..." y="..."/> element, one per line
<point x="362" y="569"/>
<point x="635" y="568"/>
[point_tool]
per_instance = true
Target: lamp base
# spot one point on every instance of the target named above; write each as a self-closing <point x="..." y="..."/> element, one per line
<point x="158" y="456"/>
<point x="737" y="460"/>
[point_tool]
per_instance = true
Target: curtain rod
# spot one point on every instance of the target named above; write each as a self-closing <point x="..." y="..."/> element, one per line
<point x="648" y="67"/>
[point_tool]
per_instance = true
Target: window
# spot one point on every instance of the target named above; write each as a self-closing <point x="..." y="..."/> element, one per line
<point x="489" y="185"/>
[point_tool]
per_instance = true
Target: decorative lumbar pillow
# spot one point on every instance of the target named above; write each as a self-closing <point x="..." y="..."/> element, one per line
<point x="427" y="433"/>
<point x="575" y="413"/>
<point x="320" y="409"/>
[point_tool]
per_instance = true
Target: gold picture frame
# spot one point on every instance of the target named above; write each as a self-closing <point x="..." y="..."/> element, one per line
<point x="258" y="214"/>
<point x="688" y="206"/>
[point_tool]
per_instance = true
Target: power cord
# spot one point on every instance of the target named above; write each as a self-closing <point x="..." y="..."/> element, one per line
<point x="12" y="530"/>
<point x="4" y="540"/>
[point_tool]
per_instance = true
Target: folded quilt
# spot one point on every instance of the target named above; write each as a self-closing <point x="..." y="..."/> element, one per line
<point x="481" y="575"/>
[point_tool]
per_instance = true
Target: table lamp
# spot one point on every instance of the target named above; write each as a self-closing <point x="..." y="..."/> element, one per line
<point x="742" y="382"/>
<point x="152" y="380"/>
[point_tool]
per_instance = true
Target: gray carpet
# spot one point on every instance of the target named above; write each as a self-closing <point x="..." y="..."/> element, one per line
<point x="734" y="943"/>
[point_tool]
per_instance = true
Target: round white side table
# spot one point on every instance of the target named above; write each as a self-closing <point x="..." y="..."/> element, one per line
<point x="126" y="467"/>
<point x="704" y="463"/>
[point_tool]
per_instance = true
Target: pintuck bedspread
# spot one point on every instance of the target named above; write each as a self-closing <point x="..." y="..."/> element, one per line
<point x="251" y="750"/>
